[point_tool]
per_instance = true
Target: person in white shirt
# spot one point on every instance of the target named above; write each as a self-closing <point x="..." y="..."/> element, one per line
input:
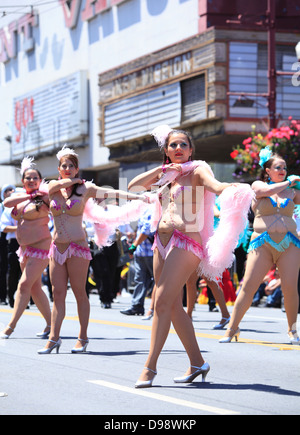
<point x="9" y="226"/>
<point x="6" y="191"/>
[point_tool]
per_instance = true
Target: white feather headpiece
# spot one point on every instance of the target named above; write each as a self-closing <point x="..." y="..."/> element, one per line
<point x="27" y="163"/>
<point x="65" y="151"/>
<point x="160" y="134"/>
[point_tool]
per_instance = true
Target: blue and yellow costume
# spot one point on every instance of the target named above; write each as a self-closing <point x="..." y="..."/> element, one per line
<point x="277" y="242"/>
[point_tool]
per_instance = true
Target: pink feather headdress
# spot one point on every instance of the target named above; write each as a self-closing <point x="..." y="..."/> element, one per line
<point x="160" y="134"/>
<point x="27" y="163"/>
<point x="65" y="151"/>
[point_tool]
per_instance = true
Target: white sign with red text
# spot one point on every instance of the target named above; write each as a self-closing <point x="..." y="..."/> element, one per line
<point x="51" y="115"/>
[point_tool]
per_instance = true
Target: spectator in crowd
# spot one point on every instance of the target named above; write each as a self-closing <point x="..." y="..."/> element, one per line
<point x="143" y="260"/>
<point x="271" y="288"/>
<point x="104" y="264"/>
<point x="9" y="227"/>
<point x="6" y="191"/>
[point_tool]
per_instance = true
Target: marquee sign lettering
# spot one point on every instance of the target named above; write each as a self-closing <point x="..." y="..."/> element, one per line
<point x="148" y="77"/>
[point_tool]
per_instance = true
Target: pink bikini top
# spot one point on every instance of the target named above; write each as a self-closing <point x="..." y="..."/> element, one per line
<point x="28" y="211"/>
<point x="72" y="207"/>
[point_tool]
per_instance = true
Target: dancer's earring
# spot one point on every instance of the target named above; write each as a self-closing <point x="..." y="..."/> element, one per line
<point x="167" y="161"/>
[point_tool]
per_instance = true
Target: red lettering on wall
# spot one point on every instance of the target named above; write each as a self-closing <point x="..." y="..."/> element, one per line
<point x="8" y="42"/>
<point x="24" y="114"/>
<point x="31" y="109"/>
<point x="92" y="8"/>
<point x="9" y="38"/>
<point x="115" y="2"/>
<point x="101" y="6"/>
<point x="88" y="12"/>
<point x="18" y="121"/>
<point x="71" y="13"/>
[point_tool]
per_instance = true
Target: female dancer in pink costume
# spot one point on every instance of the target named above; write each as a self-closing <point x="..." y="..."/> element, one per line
<point x="274" y="241"/>
<point x="179" y="246"/>
<point x="69" y="251"/>
<point x="31" y="210"/>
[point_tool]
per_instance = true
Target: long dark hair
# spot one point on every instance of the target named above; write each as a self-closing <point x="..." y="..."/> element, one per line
<point x="264" y="175"/>
<point x="189" y="138"/>
<point x="75" y="162"/>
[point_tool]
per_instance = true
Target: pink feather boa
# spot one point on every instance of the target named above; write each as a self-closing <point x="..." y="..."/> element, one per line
<point x="235" y="202"/>
<point x="106" y="221"/>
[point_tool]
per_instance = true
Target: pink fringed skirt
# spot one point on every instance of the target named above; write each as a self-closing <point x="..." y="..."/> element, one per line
<point x="40" y="254"/>
<point x="73" y="250"/>
<point x="178" y="240"/>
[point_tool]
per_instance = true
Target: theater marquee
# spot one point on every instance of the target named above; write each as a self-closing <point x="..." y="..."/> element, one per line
<point x="174" y="85"/>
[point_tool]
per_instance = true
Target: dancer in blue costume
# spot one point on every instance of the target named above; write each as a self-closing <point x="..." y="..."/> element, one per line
<point x="274" y="241"/>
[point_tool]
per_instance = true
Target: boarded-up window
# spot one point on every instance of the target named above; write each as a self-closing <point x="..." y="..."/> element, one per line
<point x="138" y="116"/>
<point x="193" y="99"/>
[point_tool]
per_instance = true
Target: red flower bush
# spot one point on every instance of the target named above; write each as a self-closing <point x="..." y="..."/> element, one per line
<point x="284" y="141"/>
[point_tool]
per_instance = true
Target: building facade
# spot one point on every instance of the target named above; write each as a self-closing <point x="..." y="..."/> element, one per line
<point x="101" y="74"/>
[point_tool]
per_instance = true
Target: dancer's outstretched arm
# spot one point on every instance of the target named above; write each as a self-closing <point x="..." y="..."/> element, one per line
<point x="263" y="189"/>
<point x="209" y="182"/>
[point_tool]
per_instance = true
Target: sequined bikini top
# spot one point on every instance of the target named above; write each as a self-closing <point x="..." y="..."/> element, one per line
<point x="72" y="207"/>
<point x="267" y="206"/>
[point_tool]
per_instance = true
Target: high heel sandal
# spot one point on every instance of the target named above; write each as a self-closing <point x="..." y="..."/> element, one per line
<point x="6" y="336"/>
<point x="81" y="349"/>
<point x="199" y="371"/>
<point x="222" y="325"/>
<point x="47" y="351"/>
<point x="149" y="316"/>
<point x="146" y="384"/>
<point x="44" y="335"/>
<point x="294" y="338"/>
<point x="234" y="336"/>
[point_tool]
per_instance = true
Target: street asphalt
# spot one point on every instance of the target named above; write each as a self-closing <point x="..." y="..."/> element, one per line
<point x="259" y="375"/>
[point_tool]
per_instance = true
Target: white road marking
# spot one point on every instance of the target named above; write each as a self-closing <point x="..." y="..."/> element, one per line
<point x="163" y="398"/>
